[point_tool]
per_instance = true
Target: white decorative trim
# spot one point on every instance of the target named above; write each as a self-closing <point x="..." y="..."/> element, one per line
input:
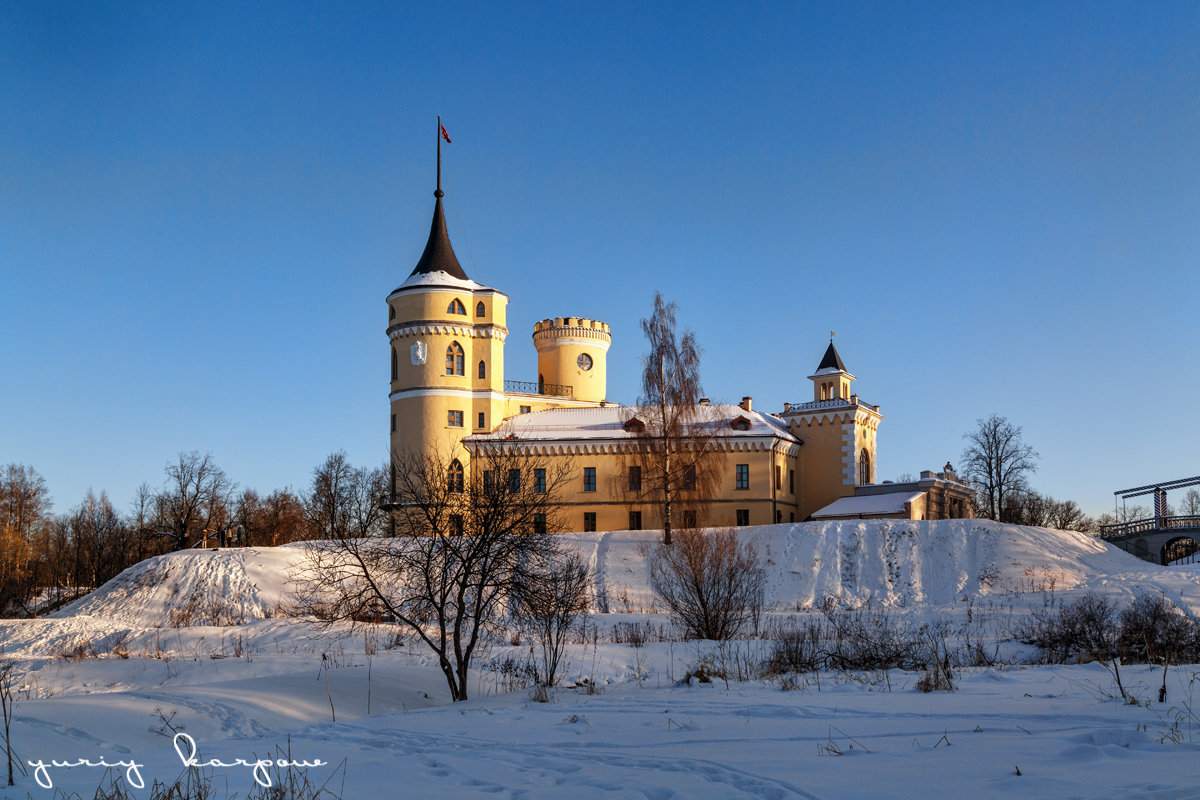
<point x="467" y="331"/>
<point x="848" y="455"/>
<point x="449" y="391"/>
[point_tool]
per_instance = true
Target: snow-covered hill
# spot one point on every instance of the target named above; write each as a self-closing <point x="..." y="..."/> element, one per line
<point x="893" y="563"/>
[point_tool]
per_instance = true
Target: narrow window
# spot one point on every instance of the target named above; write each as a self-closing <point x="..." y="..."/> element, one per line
<point x="689" y="519"/>
<point x="393" y="423"/>
<point x="456" y="307"/>
<point x="456" y="524"/>
<point x="792" y="517"/>
<point x="778" y="516"/>
<point x="689" y="479"/>
<point x="743" y="516"/>
<point x="589" y="479"/>
<point x="635" y="520"/>
<point x="864" y="467"/>
<point x="539" y="481"/>
<point x="455" y="484"/>
<point x="514" y="480"/>
<point x="539" y="523"/>
<point x="791" y="481"/>
<point x="391" y="313"/>
<point x="743" y="476"/>
<point x="778" y="478"/>
<point x="526" y="409"/>
<point x="635" y="479"/>
<point x="454" y="419"/>
<point x="589" y="521"/>
<point x="482" y="370"/>
<point x="481" y="418"/>
<point x="489" y="482"/>
<point x="480" y="310"/>
<point x="395" y="371"/>
<point x="455" y="360"/>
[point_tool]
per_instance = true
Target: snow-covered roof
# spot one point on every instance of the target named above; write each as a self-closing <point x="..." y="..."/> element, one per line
<point x="609" y="422"/>
<point x="439" y="279"/>
<point x="867" y="505"/>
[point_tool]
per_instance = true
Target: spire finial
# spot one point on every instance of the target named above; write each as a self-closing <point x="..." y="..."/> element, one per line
<point x="438" y="192"/>
<point x="831" y="335"/>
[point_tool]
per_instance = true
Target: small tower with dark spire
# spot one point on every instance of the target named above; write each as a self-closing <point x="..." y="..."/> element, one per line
<point x="831" y="381"/>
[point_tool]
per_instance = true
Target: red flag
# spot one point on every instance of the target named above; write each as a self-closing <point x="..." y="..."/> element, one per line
<point x="445" y="135"/>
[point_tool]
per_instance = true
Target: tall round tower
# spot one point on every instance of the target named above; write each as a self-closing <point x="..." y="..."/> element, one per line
<point x="447" y="352"/>
<point x="572" y="352"/>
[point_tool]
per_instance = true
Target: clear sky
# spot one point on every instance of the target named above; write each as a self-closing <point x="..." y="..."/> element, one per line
<point x="204" y="205"/>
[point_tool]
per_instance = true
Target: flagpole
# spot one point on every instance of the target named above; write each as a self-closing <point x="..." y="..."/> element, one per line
<point x="438" y="193"/>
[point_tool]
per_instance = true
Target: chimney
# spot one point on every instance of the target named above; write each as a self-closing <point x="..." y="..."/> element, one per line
<point x="746" y="403"/>
<point x="787" y="407"/>
<point x="703" y="401"/>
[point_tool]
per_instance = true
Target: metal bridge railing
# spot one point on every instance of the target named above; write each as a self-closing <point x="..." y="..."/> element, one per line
<point x="1120" y="530"/>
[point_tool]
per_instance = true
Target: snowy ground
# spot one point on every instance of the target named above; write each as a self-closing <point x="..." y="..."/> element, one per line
<point x="101" y="675"/>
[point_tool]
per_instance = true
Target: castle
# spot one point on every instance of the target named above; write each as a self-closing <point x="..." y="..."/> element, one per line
<point x="813" y="460"/>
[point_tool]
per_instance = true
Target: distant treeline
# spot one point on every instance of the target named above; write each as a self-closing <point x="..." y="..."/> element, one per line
<point x="46" y="555"/>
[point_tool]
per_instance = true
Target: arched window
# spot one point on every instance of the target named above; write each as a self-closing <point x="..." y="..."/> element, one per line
<point x="455" y="477"/>
<point x="455" y="360"/>
<point x="479" y="309"/>
<point x="394" y="364"/>
<point x="391" y="312"/>
<point x="864" y="467"/>
<point x="456" y="307"/>
<point x="482" y="370"/>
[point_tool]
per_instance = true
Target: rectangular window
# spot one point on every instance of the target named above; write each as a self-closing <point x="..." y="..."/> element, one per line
<point x="778" y="516"/>
<point x="791" y="481"/>
<point x="635" y="479"/>
<point x="743" y="476"/>
<point x="635" y="520"/>
<point x="589" y="521"/>
<point x="778" y="477"/>
<point x="514" y="480"/>
<point x="539" y="481"/>
<point x="689" y="519"/>
<point x="589" y="479"/>
<point x="456" y="419"/>
<point x="689" y="479"/>
<point x="393" y="423"/>
<point x="539" y="523"/>
<point x="743" y="516"/>
<point x="792" y="517"/>
<point x="488" y="482"/>
<point x="526" y="409"/>
<point x="456" y="524"/>
<point x="481" y="418"/>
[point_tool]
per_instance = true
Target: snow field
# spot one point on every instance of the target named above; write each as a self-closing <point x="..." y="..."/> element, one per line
<point x="102" y="674"/>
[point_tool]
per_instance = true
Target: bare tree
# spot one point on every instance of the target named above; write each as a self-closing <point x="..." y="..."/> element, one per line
<point x="273" y="520"/>
<point x="548" y="606"/>
<point x="675" y="452"/>
<point x="998" y="462"/>
<point x="99" y="537"/>
<point x="711" y="583"/>
<point x="196" y="498"/>
<point x="1190" y="505"/>
<point x="24" y="514"/>
<point x="468" y="542"/>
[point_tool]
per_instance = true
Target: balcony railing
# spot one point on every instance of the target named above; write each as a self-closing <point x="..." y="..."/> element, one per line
<point x="534" y="387"/>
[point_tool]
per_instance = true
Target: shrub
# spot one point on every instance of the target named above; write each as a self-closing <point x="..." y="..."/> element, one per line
<point x="797" y="648"/>
<point x="1154" y="629"/>
<point x="710" y="583"/>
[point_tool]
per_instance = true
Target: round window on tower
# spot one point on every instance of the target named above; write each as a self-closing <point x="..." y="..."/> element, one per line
<point x="584" y="361"/>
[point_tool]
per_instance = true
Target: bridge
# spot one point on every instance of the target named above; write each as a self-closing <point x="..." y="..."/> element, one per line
<point x="1160" y="539"/>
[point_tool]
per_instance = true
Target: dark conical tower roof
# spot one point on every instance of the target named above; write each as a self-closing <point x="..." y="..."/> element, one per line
<point x="439" y="255"/>
<point x="832" y="359"/>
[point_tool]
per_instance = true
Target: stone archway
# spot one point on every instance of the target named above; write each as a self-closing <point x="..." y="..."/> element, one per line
<point x="1181" y="547"/>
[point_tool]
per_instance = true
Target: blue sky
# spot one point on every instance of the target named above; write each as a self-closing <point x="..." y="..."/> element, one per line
<point x="203" y="207"/>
